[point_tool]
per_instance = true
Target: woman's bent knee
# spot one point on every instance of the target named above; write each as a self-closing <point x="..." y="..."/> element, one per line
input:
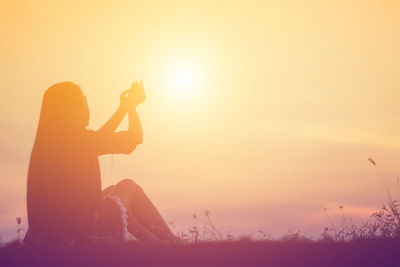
<point x="129" y="183"/>
<point x="108" y="190"/>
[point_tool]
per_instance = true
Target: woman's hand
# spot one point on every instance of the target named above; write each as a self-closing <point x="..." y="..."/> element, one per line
<point x="137" y="93"/>
<point x="133" y="97"/>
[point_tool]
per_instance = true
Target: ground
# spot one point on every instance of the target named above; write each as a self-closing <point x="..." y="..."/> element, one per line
<point x="363" y="253"/>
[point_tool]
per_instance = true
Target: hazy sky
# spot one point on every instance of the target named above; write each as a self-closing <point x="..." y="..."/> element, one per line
<point x="285" y="103"/>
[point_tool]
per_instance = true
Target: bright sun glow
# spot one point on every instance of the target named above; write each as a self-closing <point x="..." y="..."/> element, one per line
<point x="184" y="80"/>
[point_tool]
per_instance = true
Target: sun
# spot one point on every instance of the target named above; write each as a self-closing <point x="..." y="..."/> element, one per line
<point x="184" y="80"/>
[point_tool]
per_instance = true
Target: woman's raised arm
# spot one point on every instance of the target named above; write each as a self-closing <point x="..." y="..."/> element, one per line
<point x="111" y="142"/>
<point x="115" y="120"/>
<point x="135" y="126"/>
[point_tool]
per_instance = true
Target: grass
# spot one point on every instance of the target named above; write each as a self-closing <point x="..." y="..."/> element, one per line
<point x="369" y="252"/>
<point x="374" y="243"/>
<point x="385" y="222"/>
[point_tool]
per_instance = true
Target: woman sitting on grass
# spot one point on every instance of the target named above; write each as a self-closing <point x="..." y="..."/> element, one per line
<point x="65" y="201"/>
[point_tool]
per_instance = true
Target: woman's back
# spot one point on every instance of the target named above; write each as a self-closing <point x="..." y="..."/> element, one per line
<point x="64" y="189"/>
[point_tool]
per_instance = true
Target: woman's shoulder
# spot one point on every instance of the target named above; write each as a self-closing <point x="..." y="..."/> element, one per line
<point x="89" y="133"/>
<point x="89" y="137"/>
<point x="95" y="139"/>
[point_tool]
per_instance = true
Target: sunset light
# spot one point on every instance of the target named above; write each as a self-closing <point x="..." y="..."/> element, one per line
<point x="183" y="80"/>
<point x="200" y="121"/>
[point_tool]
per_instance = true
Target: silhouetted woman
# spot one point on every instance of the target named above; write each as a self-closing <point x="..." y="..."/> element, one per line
<point x="65" y="201"/>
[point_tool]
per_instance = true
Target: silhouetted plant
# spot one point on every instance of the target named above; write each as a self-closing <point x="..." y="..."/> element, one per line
<point x="385" y="222"/>
<point x="19" y="229"/>
<point x="229" y="236"/>
<point x="295" y="236"/>
<point x="208" y="231"/>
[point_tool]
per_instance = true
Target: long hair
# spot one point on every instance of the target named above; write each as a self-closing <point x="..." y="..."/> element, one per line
<point x="63" y="116"/>
<point x="64" y="110"/>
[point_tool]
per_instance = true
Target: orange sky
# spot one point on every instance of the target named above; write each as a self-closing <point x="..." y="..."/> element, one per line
<point x="289" y="99"/>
